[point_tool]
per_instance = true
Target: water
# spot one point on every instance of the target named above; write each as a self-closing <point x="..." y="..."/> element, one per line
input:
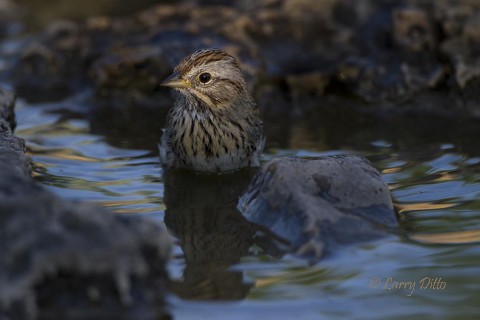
<point x="431" y="165"/>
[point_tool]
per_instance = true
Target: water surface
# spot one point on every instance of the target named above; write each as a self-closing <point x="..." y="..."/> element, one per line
<point x="432" y="166"/>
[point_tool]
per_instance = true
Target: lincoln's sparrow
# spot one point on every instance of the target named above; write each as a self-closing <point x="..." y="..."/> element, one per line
<point x="214" y="124"/>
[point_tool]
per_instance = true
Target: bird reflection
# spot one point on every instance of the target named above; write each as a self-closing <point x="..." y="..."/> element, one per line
<point x="202" y="213"/>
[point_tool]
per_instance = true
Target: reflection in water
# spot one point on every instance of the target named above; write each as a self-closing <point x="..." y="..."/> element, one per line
<point x="202" y="213"/>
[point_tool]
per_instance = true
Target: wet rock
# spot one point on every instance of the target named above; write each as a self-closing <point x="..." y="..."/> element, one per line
<point x="319" y="204"/>
<point x="70" y="260"/>
<point x="7" y="105"/>
<point x="12" y="149"/>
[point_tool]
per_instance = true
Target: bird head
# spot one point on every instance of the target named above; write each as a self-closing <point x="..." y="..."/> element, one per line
<point x="210" y="76"/>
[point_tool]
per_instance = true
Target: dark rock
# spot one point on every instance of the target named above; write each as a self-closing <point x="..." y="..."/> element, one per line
<point x="70" y="260"/>
<point x="122" y="59"/>
<point x="75" y="261"/>
<point x="376" y="50"/>
<point x="318" y="204"/>
<point x="463" y="50"/>
<point x="12" y="149"/>
<point x="397" y="57"/>
<point x="129" y="78"/>
<point x="52" y="66"/>
<point x="7" y="104"/>
<point x="39" y="14"/>
<point x="413" y="30"/>
<point x="8" y="17"/>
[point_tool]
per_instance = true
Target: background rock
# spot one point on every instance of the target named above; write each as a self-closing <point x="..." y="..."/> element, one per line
<point x="7" y="105"/>
<point x="319" y="204"/>
<point x="375" y="50"/>
<point x="8" y="17"/>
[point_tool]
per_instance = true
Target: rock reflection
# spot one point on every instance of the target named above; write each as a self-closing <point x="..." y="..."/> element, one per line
<point x="202" y="213"/>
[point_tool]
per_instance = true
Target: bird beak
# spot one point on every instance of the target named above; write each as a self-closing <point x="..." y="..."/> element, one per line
<point x="175" y="81"/>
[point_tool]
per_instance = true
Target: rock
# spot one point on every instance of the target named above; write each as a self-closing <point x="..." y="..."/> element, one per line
<point x="12" y="149"/>
<point x="69" y="260"/>
<point x="413" y="30"/>
<point x="40" y="15"/>
<point x="380" y="51"/>
<point x="7" y="104"/>
<point x="52" y="66"/>
<point x="462" y="50"/>
<point x="121" y="59"/>
<point x="319" y="204"/>
<point x="72" y="260"/>
<point x="129" y="78"/>
<point x="8" y="17"/>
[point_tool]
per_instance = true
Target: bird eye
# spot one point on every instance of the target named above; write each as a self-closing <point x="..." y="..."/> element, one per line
<point x="205" y="77"/>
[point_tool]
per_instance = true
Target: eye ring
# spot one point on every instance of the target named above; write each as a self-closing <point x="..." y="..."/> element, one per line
<point x="205" y="77"/>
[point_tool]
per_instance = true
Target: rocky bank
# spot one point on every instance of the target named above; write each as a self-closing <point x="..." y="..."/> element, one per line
<point x="70" y="260"/>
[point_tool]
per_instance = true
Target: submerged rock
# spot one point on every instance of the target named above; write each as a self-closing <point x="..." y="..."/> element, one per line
<point x="319" y="204"/>
<point x="69" y="260"/>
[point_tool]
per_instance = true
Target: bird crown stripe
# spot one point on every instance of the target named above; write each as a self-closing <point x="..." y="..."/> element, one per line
<point x="204" y="57"/>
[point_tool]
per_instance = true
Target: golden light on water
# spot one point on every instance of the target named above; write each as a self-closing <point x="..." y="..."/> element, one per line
<point x="392" y="170"/>
<point x="458" y="237"/>
<point x="123" y="206"/>
<point x="423" y="206"/>
<point x="446" y="176"/>
<point x="69" y="155"/>
<point x="265" y="282"/>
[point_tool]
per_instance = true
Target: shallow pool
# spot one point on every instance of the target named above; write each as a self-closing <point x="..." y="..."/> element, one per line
<point x="432" y="166"/>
